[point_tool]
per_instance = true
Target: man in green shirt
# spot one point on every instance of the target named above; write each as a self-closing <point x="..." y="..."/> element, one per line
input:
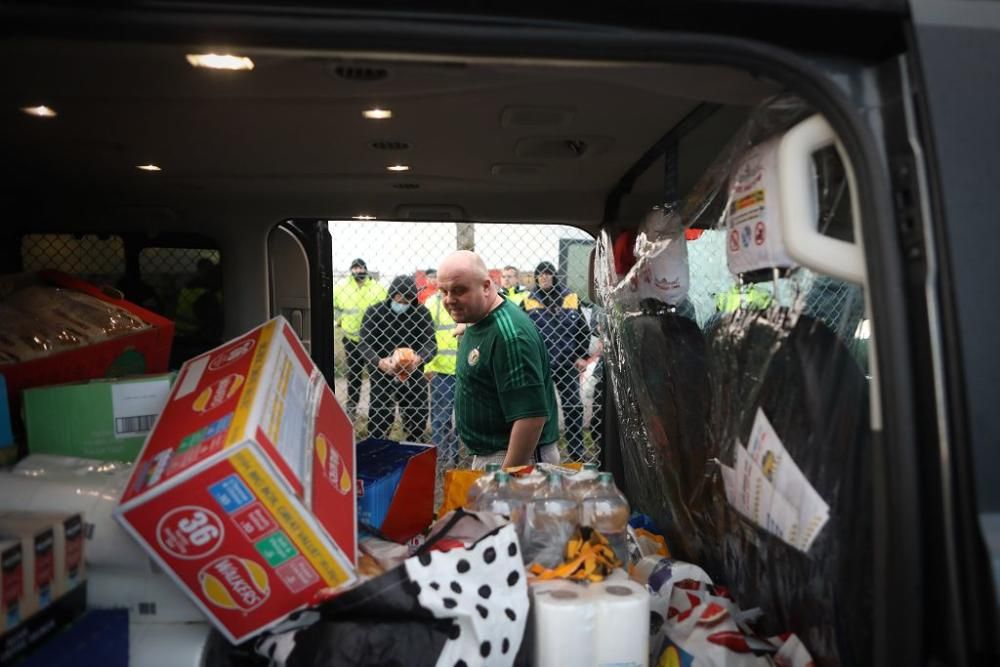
<point x="505" y="405"/>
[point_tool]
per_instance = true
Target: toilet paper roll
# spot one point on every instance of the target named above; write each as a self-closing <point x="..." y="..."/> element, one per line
<point x="168" y="644"/>
<point x="565" y="620"/>
<point x="149" y="598"/>
<point x="622" y="623"/>
<point x="96" y="496"/>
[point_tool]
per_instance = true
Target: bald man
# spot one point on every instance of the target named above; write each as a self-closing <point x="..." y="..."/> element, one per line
<point x="505" y="404"/>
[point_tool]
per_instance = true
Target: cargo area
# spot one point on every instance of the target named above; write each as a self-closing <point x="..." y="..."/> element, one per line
<point x="203" y="463"/>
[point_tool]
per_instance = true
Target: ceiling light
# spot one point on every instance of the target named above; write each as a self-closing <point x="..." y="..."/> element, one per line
<point x="363" y="217"/>
<point x="399" y="167"/>
<point x="148" y="167"/>
<point x="219" y="61"/>
<point x="377" y="114"/>
<point x="41" y="111"/>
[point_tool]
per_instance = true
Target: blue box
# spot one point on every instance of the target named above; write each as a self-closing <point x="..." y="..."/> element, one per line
<point x="396" y="487"/>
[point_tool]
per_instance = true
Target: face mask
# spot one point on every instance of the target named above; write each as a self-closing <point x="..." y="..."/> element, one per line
<point x="360" y="276"/>
<point x="399" y="308"/>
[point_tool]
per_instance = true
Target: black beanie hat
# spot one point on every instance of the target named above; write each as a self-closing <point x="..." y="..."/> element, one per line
<point x="359" y="262"/>
<point x="404" y="285"/>
<point x="546" y="267"/>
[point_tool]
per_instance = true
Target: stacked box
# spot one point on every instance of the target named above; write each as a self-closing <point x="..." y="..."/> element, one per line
<point x="244" y="491"/>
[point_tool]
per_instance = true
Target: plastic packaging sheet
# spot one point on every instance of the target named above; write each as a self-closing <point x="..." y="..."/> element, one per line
<point x="740" y="385"/>
<point x="41" y="320"/>
<point x="43" y="483"/>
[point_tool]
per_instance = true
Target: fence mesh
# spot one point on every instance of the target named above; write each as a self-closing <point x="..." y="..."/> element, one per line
<point x="421" y="408"/>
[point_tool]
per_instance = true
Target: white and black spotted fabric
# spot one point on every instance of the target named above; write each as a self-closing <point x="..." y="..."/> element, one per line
<point x="279" y="641"/>
<point x="483" y="590"/>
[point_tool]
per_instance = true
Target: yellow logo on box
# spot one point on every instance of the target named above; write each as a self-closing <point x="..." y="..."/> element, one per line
<point x="234" y="583"/>
<point x="334" y="466"/>
<point x="217" y="393"/>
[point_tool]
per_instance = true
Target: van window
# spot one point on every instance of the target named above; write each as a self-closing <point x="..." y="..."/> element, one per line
<point x="568" y="322"/>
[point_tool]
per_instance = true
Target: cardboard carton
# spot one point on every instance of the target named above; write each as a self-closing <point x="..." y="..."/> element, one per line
<point x="396" y="487"/>
<point x="243" y="492"/>
<point x="101" y="419"/>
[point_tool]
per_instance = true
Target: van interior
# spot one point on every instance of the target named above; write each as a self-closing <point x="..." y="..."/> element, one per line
<point x="167" y="163"/>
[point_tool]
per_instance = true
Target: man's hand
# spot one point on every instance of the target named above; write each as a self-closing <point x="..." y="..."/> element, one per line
<point x="581" y="365"/>
<point x="387" y="365"/>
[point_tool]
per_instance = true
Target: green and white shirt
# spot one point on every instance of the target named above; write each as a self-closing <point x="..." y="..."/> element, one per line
<point x="502" y="375"/>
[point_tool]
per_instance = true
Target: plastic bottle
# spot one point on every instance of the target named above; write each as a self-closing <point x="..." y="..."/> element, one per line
<point x="484" y="482"/>
<point x="530" y="485"/>
<point x="579" y="485"/>
<point x="502" y="498"/>
<point x="550" y="519"/>
<point x="606" y="510"/>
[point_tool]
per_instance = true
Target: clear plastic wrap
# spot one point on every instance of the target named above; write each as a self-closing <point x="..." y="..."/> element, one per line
<point x="40" y="320"/>
<point x="743" y="399"/>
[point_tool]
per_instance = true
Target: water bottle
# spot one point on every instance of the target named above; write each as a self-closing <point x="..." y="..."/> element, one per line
<point x="606" y="510"/>
<point x="550" y="519"/>
<point x="502" y="498"/>
<point x="481" y="484"/>
<point x="579" y="485"/>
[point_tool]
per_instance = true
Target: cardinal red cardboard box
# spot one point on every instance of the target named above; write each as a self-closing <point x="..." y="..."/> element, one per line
<point x="244" y="490"/>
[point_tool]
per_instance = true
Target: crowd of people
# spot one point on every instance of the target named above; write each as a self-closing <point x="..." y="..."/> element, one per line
<point x="406" y="339"/>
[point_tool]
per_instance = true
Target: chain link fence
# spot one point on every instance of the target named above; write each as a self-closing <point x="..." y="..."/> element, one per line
<point x="402" y="256"/>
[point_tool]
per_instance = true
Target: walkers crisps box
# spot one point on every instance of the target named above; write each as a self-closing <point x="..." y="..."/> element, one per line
<point x="250" y="438"/>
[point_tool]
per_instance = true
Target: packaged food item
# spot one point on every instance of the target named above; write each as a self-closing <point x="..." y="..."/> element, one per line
<point x="244" y="492"/>
<point x="13" y="592"/>
<point x="405" y="361"/>
<point x="52" y="550"/>
<point x="58" y="329"/>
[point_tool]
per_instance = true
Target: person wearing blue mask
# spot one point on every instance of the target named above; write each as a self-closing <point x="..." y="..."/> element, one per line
<point x="398" y="323"/>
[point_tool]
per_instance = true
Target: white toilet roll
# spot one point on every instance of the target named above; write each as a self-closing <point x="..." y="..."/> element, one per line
<point x="168" y="644"/>
<point x="599" y="625"/>
<point x="565" y="619"/>
<point x="95" y="495"/>
<point x="149" y="598"/>
<point x="622" y="623"/>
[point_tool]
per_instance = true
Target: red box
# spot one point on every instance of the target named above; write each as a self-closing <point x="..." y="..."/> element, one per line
<point x="244" y="491"/>
<point x="396" y="487"/>
<point x="146" y="351"/>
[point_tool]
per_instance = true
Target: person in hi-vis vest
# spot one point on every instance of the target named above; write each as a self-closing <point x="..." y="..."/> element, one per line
<point x="511" y="287"/>
<point x="351" y="298"/>
<point x="441" y="372"/>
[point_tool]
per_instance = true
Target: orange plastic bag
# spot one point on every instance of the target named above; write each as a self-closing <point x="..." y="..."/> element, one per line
<point x="456" y="488"/>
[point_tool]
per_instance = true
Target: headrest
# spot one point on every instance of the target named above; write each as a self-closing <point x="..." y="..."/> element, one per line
<point x="753" y="223"/>
<point x="662" y="266"/>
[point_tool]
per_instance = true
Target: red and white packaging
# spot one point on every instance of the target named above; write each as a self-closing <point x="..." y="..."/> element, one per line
<point x="13" y="594"/>
<point x="51" y="556"/>
<point x="244" y="490"/>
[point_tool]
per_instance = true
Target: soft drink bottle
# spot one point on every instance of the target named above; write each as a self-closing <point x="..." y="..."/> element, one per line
<point x="606" y="510"/>
<point x="480" y="485"/>
<point x="550" y="519"/>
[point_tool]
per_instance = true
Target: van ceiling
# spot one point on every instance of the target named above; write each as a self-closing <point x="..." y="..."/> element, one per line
<point x="487" y="140"/>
